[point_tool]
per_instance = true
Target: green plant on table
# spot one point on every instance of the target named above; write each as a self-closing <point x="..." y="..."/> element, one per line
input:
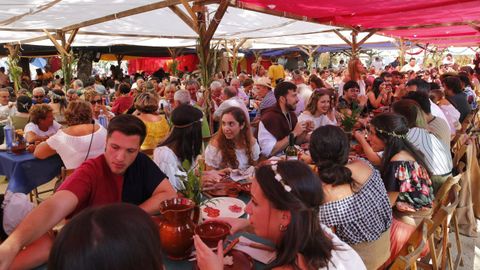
<point x="190" y="180"/>
<point x="349" y="118"/>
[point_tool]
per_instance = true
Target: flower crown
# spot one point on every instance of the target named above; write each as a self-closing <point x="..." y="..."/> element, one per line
<point x="392" y="134"/>
<point x="279" y="178"/>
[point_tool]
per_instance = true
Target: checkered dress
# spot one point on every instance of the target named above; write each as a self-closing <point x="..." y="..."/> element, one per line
<point x="362" y="217"/>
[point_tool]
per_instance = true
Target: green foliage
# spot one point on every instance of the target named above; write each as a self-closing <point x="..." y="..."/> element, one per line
<point x="173" y="66"/>
<point x="349" y="118"/>
<point x="191" y="182"/>
<point x="15" y="71"/>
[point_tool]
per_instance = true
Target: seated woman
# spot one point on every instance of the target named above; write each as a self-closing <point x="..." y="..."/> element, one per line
<point x="381" y="94"/>
<point x="356" y="204"/>
<point x="91" y="240"/>
<point x="183" y="143"/>
<point x="233" y="146"/>
<point x="437" y="155"/>
<point x="96" y="101"/>
<point x="21" y="118"/>
<point x="58" y="102"/>
<point x="319" y="109"/>
<point x="157" y="126"/>
<point x="405" y="175"/>
<point x="79" y="141"/>
<point x="284" y="210"/>
<point x="42" y="125"/>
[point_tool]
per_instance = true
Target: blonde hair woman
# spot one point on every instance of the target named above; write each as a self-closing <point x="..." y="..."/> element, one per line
<point x="355" y="72"/>
<point x="157" y="126"/>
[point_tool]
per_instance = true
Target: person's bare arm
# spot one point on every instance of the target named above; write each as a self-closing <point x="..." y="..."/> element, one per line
<point x="371" y="155"/>
<point x="164" y="191"/>
<point x="31" y="137"/>
<point x="392" y="197"/>
<point x="37" y="223"/>
<point x="43" y="151"/>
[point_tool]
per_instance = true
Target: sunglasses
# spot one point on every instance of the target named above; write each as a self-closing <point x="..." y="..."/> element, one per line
<point x="37" y="97"/>
<point x="354" y="90"/>
<point x="93" y="102"/>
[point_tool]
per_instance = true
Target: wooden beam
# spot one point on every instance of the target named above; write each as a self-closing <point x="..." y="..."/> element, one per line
<point x="126" y="13"/>
<point x="360" y="43"/>
<point x="28" y="40"/>
<point x="342" y="37"/>
<point x="57" y="45"/>
<point x="185" y="18"/>
<point x="423" y="26"/>
<point x="30" y="12"/>
<point x="222" y="8"/>
<point x="70" y="40"/>
<point x="189" y="10"/>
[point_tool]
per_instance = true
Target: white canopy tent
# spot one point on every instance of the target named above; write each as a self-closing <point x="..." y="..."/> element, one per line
<point x="23" y="21"/>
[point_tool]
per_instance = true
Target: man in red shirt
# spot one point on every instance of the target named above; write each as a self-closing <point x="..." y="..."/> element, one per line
<point x="122" y="174"/>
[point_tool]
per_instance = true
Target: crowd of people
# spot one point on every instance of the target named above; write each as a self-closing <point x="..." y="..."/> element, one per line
<point x="374" y="147"/>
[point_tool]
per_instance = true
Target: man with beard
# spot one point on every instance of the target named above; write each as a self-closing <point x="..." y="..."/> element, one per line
<point x="280" y="120"/>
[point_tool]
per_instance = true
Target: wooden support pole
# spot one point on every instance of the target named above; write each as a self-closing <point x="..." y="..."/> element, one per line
<point x="57" y="45"/>
<point x="354" y="44"/>
<point x="342" y="37"/>
<point x="402" y="52"/>
<point x="222" y="8"/>
<point x="71" y="38"/>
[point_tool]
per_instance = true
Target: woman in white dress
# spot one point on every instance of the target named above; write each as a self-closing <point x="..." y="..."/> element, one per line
<point x="233" y="146"/>
<point x="81" y="140"/>
<point x="183" y="143"/>
<point x="319" y="109"/>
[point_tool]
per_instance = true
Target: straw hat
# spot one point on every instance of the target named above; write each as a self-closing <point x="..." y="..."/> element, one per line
<point x="264" y="82"/>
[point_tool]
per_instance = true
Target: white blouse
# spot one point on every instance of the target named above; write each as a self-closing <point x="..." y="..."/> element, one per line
<point x="320" y="121"/>
<point x="213" y="156"/>
<point x="34" y="128"/>
<point x="74" y="149"/>
<point x="169" y="164"/>
<point x="343" y="256"/>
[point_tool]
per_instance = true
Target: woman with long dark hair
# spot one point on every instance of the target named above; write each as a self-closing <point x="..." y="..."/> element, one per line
<point x="233" y="146"/>
<point x="405" y="175"/>
<point x="284" y="209"/>
<point x="356" y="202"/>
<point x="183" y="143"/>
<point x="381" y="94"/>
<point x="319" y="109"/>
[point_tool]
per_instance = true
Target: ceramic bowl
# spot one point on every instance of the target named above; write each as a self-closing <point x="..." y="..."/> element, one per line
<point x="213" y="231"/>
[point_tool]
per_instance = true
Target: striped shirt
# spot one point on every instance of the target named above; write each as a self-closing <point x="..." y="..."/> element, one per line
<point x="437" y="155"/>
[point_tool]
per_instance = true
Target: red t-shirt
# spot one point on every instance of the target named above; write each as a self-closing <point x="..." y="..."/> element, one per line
<point x="94" y="184"/>
<point x="122" y="104"/>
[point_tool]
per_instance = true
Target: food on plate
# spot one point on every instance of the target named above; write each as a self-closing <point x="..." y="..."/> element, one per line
<point x="211" y="212"/>
<point x="228" y="260"/>
<point x="235" y="208"/>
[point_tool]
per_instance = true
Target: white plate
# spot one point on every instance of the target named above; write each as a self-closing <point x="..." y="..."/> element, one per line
<point x="223" y="204"/>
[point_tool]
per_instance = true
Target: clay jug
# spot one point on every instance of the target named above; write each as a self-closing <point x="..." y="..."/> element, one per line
<point x="176" y="228"/>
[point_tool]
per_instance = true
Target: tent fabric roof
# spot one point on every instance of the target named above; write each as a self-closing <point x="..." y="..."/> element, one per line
<point x="396" y="18"/>
<point x="160" y="27"/>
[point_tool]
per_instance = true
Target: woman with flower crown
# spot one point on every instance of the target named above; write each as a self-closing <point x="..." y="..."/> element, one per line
<point x="284" y="209"/>
<point x="405" y="175"/>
